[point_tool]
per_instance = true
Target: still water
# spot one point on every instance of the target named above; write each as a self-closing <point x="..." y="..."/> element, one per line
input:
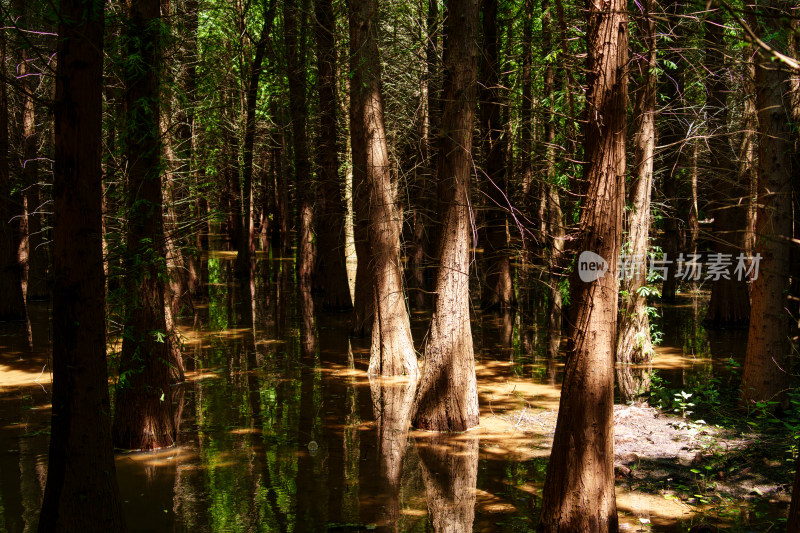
<point x="282" y="430"/>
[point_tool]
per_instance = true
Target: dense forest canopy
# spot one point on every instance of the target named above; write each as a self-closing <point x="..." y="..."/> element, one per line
<point x="575" y="170"/>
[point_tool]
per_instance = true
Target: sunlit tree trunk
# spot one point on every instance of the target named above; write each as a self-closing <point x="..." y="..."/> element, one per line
<point x="447" y="398"/>
<point x="143" y="411"/>
<point x="498" y="290"/>
<point x="634" y="345"/>
<point x="765" y="377"/>
<point x="81" y="492"/>
<point x="579" y="487"/>
<point x="331" y="271"/>
<point x="730" y="300"/>
<point x="12" y="304"/>
<point x="392" y="348"/>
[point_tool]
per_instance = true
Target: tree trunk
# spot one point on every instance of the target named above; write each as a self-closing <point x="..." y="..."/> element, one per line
<point x="764" y="377"/>
<point x="498" y="290"/>
<point x="553" y="219"/>
<point x="81" y="492"/>
<point x="392" y="348"/>
<point x="12" y="304"/>
<point x="579" y="488"/>
<point x="793" y="525"/>
<point x="730" y="300"/>
<point x="246" y="258"/>
<point x="298" y="110"/>
<point x="672" y="135"/>
<point x="447" y="399"/>
<point x="143" y="411"/>
<point x="34" y="227"/>
<point x="331" y="270"/>
<point x="634" y="345"/>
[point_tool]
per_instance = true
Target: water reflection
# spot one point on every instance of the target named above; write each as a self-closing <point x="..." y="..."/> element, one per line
<point x="450" y="470"/>
<point x="280" y="429"/>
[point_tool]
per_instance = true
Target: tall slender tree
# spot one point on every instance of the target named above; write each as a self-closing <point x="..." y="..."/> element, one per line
<point x="634" y="345"/>
<point x="331" y="271"/>
<point x="392" y="350"/>
<point x="143" y="411"/>
<point x="498" y="292"/>
<point x="579" y="487"/>
<point x="764" y="377"/>
<point x="81" y="492"/>
<point x="447" y="398"/>
<point x="12" y="305"/>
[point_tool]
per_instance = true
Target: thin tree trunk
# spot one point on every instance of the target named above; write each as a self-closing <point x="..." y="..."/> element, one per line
<point x="634" y="345"/>
<point x="392" y="347"/>
<point x="765" y="377"/>
<point x="498" y="291"/>
<point x="81" y="492"/>
<point x="553" y="219"/>
<point x="579" y="487"/>
<point x="296" y="58"/>
<point x="447" y="399"/>
<point x="32" y="231"/>
<point x="331" y="271"/>
<point x="143" y="410"/>
<point x="12" y="304"/>
<point x="730" y="302"/>
<point x="245" y="258"/>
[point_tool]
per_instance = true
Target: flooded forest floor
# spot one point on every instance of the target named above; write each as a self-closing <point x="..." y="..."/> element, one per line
<point x="281" y="429"/>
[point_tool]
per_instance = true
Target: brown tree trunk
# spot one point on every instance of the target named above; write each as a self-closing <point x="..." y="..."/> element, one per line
<point x="12" y="304"/>
<point x="579" y="488"/>
<point x="298" y="110"/>
<point x="634" y="345"/>
<point x="447" y="399"/>
<point x="552" y="218"/>
<point x="764" y="377"/>
<point x="143" y="411"/>
<point x="331" y="270"/>
<point x="81" y="492"/>
<point x="246" y="255"/>
<point x="392" y="347"/>
<point x="730" y="300"/>
<point x="32" y="231"/>
<point x="672" y="135"/>
<point x="498" y="290"/>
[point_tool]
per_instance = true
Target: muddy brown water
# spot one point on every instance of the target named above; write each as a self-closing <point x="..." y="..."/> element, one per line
<point x="282" y="430"/>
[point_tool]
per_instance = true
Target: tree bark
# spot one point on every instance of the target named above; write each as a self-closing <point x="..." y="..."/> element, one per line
<point x="634" y="345"/>
<point x="730" y="300"/>
<point x="298" y="110"/>
<point x="764" y="376"/>
<point x="331" y="270"/>
<point x="33" y="229"/>
<point x="12" y="304"/>
<point x="498" y="290"/>
<point x="392" y="347"/>
<point x="143" y="411"/>
<point x="81" y="492"/>
<point x="447" y="399"/>
<point x="245" y="257"/>
<point x="579" y="487"/>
